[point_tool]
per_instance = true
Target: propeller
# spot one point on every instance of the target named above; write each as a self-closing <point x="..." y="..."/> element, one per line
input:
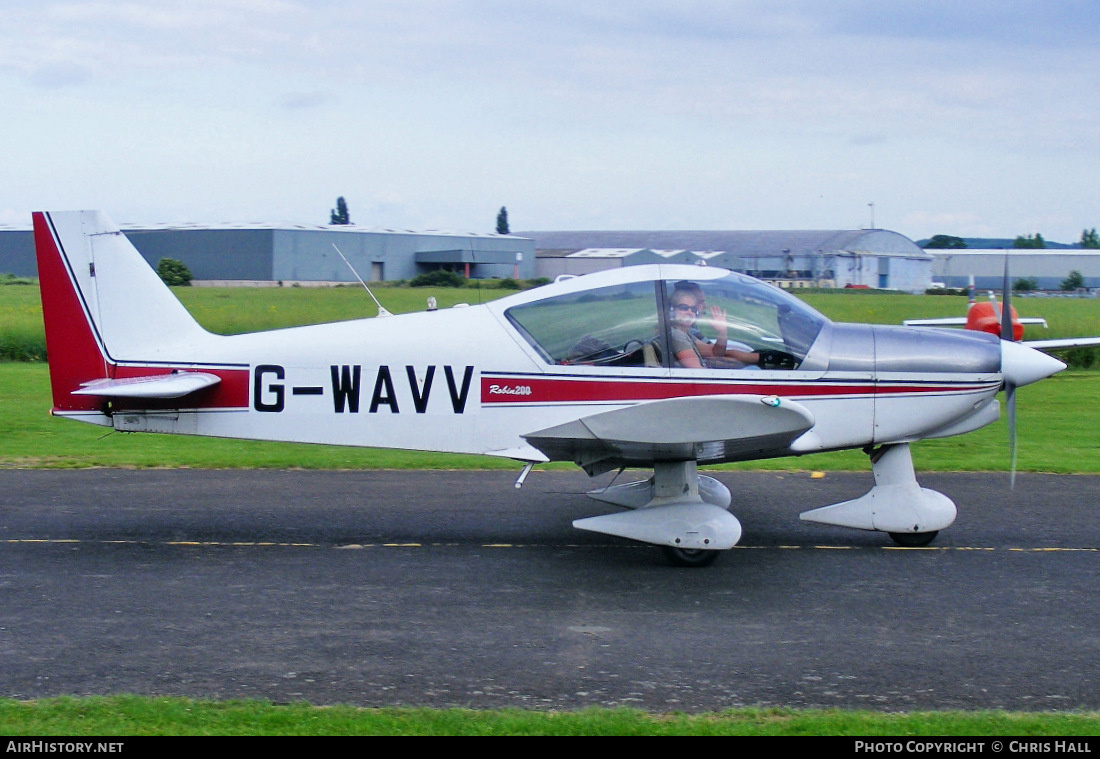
<point x="1010" y="384"/>
<point x="1020" y="365"/>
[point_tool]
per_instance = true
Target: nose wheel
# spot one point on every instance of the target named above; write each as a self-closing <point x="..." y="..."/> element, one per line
<point x="914" y="539"/>
<point x="689" y="557"/>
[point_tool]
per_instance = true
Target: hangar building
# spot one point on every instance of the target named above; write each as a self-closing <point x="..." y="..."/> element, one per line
<point x="875" y="258"/>
<point x="262" y="253"/>
<point x="1048" y="266"/>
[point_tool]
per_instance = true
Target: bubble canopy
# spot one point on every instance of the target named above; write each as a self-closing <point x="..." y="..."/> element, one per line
<point x="634" y="323"/>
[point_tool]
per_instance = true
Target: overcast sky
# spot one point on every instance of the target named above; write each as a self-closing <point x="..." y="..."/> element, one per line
<point x="976" y="118"/>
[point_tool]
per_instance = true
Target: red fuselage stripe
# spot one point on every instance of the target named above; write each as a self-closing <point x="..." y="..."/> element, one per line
<point x="512" y="390"/>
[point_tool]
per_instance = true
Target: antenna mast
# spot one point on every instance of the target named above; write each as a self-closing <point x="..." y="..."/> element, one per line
<point x="381" y="310"/>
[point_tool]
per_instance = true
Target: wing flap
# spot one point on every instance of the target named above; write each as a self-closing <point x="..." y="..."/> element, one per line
<point x="175" y="385"/>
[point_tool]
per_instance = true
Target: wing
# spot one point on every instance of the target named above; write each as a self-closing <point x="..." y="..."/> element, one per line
<point x="951" y="321"/>
<point x="710" y="429"/>
<point x="1067" y="342"/>
<point x="960" y="321"/>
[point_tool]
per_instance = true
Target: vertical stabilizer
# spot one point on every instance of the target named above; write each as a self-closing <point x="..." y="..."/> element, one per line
<point x="101" y="304"/>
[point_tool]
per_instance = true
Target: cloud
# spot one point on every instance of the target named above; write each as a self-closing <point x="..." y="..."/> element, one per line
<point x="57" y="75"/>
<point x="298" y="101"/>
<point x="701" y="112"/>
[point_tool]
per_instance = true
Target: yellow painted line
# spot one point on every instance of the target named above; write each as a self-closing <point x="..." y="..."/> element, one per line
<point x="360" y="546"/>
<point x="41" y="540"/>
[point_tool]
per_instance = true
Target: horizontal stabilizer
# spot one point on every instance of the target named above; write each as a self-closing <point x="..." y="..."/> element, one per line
<point x="174" y="385"/>
<point x="680" y="525"/>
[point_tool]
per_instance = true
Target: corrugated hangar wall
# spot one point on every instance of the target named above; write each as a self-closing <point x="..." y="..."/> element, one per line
<point x="210" y="253"/>
<point x="272" y="253"/>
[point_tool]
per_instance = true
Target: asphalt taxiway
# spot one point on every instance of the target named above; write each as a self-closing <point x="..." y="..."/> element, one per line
<point x="455" y="589"/>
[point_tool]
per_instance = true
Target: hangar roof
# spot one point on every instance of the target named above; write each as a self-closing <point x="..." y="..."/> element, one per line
<point x="738" y="242"/>
<point x="346" y="228"/>
<point x="277" y="226"/>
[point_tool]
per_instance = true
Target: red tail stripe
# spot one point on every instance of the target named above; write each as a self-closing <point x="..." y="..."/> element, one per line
<point x="71" y="346"/>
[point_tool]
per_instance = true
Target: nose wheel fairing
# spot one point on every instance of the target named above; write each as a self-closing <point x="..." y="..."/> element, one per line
<point x="896" y="504"/>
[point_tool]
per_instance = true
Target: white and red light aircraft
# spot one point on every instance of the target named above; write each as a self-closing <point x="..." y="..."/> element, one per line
<point x="597" y="370"/>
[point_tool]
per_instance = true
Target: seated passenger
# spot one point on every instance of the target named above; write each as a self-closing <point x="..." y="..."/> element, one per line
<point x="689" y="349"/>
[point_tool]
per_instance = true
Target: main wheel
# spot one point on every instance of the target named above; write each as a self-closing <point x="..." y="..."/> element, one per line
<point x="689" y="557"/>
<point x="914" y="539"/>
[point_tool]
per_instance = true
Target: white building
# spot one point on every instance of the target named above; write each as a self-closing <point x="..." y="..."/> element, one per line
<point x="987" y="266"/>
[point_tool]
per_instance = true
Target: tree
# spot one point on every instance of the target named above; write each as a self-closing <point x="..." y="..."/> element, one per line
<point x="339" y="215"/>
<point x="1089" y="238"/>
<point x="1025" y="284"/>
<point x="945" y="242"/>
<point x="1075" y="281"/>
<point x="438" y="278"/>
<point x="502" y="222"/>
<point x="1029" y="242"/>
<point x="174" y="273"/>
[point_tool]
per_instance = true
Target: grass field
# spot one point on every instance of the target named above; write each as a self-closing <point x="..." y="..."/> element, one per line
<point x="1057" y="432"/>
<point x="233" y="310"/>
<point x="136" y="716"/>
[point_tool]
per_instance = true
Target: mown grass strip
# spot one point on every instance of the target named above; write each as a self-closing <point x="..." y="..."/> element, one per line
<point x="129" y="715"/>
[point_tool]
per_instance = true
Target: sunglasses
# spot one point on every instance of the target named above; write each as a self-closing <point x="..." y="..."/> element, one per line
<point x="686" y="307"/>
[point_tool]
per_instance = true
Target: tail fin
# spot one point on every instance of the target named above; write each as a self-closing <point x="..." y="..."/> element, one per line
<point x="102" y="304"/>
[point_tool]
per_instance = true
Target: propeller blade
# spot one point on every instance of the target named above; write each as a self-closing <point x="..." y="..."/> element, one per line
<point x="1010" y="404"/>
<point x="1010" y="384"/>
<point x="1006" y="306"/>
